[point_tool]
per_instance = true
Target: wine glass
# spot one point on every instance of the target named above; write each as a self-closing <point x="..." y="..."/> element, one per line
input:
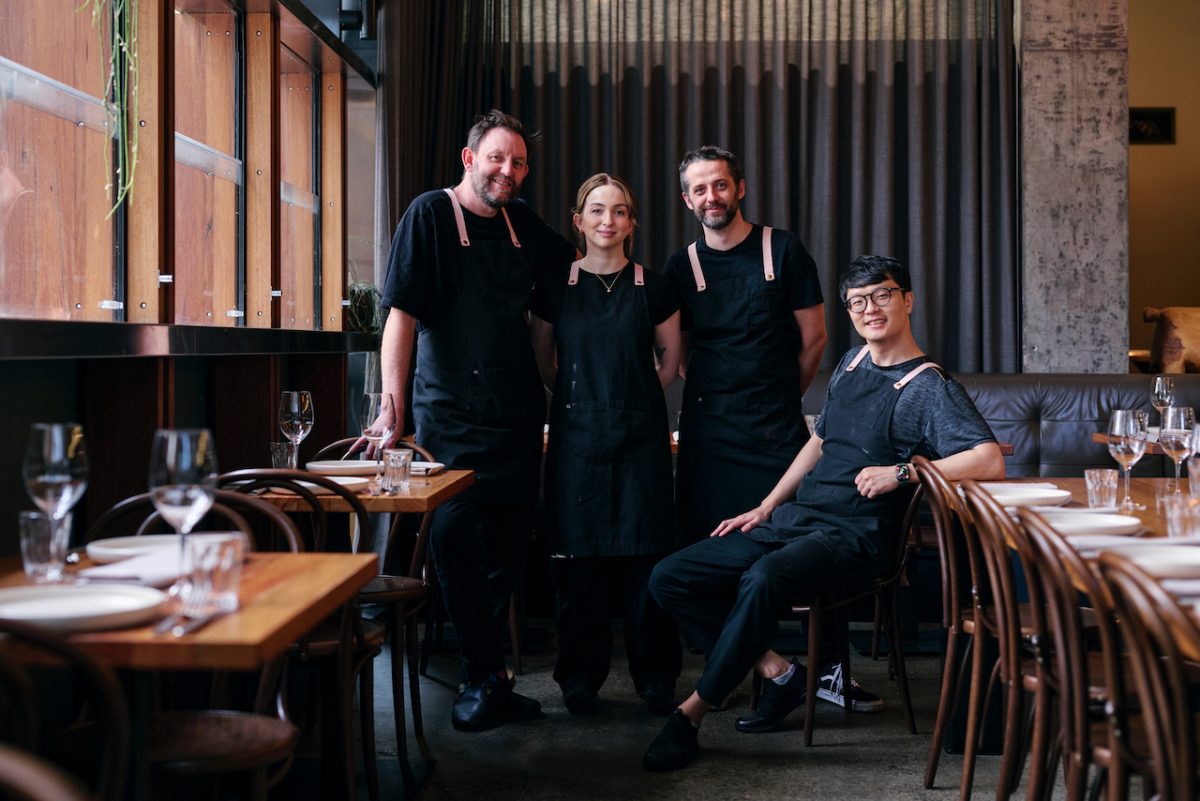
<point x="295" y="420"/>
<point x="1126" y="444"/>
<point x="1175" y="436"/>
<point x="1162" y="394"/>
<point x="55" y="471"/>
<point x="377" y="418"/>
<point x="183" y="476"/>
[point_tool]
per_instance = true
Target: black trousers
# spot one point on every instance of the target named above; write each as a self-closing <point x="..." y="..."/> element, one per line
<point x="727" y="594"/>
<point x="590" y="591"/>
<point x="478" y="551"/>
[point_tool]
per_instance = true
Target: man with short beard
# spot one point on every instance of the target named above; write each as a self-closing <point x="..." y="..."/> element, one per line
<point x="754" y="329"/>
<point x="463" y="264"/>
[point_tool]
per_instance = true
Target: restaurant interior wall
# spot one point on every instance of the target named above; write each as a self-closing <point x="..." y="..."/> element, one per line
<point x="1164" y="179"/>
<point x="87" y="329"/>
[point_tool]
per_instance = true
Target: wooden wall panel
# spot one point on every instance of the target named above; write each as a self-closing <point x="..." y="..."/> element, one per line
<point x="245" y="393"/>
<point x="297" y="219"/>
<point x="325" y="376"/>
<point x="333" y="199"/>
<point x="149" y="214"/>
<point x="262" y="168"/>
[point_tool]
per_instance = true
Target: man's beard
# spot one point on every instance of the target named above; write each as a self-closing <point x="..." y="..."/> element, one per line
<point x="719" y="222"/>
<point x="483" y="188"/>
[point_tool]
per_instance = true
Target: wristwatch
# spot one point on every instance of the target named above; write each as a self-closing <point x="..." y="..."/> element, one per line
<point x="903" y="473"/>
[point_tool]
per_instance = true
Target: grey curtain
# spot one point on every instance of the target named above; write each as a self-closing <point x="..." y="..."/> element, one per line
<point x="866" y="127"/>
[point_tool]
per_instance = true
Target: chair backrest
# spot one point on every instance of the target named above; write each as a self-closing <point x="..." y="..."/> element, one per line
<point x="137" y="515"/>
<point x="341" y="449"/>
<point x="1068" y="583"/>
<point x="254" y="479"/>
<point x="31" y="656"/>
<point x="1153" y="624"/>
<point x="999" y="537"/>
<point x="27" y="778"/>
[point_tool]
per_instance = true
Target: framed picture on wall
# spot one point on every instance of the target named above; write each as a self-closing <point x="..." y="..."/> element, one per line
<point x="1152" y="126"/>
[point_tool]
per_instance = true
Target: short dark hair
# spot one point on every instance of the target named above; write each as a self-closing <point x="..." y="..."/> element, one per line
<point x="867" y="270"/>
<point x="498" y="119"/>
<point x="708" y="153"/>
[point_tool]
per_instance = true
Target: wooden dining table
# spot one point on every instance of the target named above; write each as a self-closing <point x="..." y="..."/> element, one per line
<point x="282" y="596"/>
<point x="423" y="494"/>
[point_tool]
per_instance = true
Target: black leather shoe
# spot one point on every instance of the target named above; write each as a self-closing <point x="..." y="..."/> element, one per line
<point x="490" y="703"/>
<point x="675" y="746"/>
<point x="581" y="700"/>
<point x="660" y="700"/>
<point x="775" y="702"/>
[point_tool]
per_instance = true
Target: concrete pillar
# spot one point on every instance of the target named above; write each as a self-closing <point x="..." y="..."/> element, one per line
<point x="1074" y="185"/>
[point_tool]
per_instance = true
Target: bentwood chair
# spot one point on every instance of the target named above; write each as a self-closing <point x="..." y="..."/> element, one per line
<point x="1098" y="725"/>
<point x="184" y="744"/>
<point x="1161" y="640"/>
<point x="398" y="596"/>
<point x="38" y="666"/>
<point x="1024" y="639"/>
<point x="24" y="777"/>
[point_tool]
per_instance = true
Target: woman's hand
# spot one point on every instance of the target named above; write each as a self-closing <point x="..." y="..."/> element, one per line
<point x="743" y="522"/>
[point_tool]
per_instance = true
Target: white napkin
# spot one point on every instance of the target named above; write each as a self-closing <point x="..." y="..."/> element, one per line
<point x="157" y="569"/>
<point x="1074" y="510"/>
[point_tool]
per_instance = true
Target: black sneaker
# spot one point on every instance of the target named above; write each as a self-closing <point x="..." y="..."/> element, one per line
<point x="660" y="699"/>
<point x="490" y="703"/>
<point x="675" y="746"/>
<point x="581" y="700"/>
<point x="831" y="687"/>
<point x="775" y="702"/>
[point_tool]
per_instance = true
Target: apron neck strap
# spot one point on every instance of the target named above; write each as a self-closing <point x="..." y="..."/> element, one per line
<point x="768" y="262"/>
<point x="639" y="278"/>
<point x="574" y="278"/>
<point x="461" y="222"/>
<point x="862" y="354"/>
<point x="913" y="373"/>
<point x="697" y="273"/>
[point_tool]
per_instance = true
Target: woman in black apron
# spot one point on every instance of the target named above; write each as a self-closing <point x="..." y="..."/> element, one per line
<point x="597" y="326"/>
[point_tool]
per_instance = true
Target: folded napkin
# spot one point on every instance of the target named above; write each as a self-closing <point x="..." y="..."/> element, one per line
<point x="1074" y="510"/>
<point x="156" y="569"/>
<point x="1013" y="486"/>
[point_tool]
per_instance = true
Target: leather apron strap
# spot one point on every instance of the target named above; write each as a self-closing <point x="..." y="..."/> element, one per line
<point x="461" y="222"/>
<point x="768" y="262"/>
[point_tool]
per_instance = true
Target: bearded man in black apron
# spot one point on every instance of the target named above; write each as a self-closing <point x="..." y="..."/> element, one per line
<point x="463" y="264"/>
<point x="851" y="483"/>
<point x="754" y="329"/>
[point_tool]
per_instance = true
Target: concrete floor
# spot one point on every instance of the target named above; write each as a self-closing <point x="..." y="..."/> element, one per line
<point x="857" y="756"/>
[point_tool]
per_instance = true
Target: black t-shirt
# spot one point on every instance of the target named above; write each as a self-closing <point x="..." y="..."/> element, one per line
<point x="794" y="269"/>
<point x="423" y="276"/>
<point x="661" y="299"/>
<point x="934" y="415"/>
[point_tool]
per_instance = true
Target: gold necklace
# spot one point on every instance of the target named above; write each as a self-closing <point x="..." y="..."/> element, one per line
<point x="608" y="285"/>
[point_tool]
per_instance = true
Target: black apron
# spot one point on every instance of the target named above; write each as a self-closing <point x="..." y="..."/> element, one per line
<point x="859" y="531"/>
<point x="478" y="402"/>
<point x="608" y="463"/>
<point x="736" y="441"/>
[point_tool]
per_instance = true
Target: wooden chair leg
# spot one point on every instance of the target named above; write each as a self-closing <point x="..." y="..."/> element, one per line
<point x="1010" y="760"/>
<point x="810" y="700"/>
<point x="414" y="686"/>
<point x="397" y="631"/>
<point x="366" y="720"/>
<point x="950" y="685"/>
<point x="975" y="701"/>
<point x="896" y="647"/>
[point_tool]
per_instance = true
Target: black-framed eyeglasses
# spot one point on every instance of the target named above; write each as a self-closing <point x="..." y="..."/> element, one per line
<point x="880" y="297"/>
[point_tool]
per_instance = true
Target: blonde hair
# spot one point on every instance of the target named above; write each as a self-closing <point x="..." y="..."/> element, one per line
<point x="595" y="182"/>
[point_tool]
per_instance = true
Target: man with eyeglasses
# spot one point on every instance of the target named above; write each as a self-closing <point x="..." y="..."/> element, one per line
<point x="829" y="523"/>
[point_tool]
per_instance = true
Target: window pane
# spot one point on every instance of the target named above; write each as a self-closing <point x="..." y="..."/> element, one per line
<point x="208" y="170"/>
<point x="298" y="200"/>
<point x="360" y="180"/>
<point x="56" y="239"/>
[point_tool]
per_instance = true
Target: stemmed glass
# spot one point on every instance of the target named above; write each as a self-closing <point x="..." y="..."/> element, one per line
<point x="183" y="476"/>
<point x="295" y="420"/>
<point x="378" y="420"/>
<point x="1126" y="444"/>
<point x="1175" y="437"/>
<point x="1162" y="394"/>
<point x="55" y="471"/>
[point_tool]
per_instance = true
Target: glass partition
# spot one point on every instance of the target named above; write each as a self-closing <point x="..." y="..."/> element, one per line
<point x="360" y="181"/>
<point x="299" y="204"/>
<point x="57" y="241"/>
<point x="208" y="166"/>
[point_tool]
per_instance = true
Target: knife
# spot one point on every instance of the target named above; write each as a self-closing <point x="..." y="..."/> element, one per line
<point x="196" y="623"/>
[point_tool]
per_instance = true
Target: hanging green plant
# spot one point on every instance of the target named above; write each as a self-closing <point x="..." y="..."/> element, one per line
<point x="121" y="89"/>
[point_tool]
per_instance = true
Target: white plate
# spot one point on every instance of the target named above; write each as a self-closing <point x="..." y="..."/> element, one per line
<point x="349" y="467"/>
<point x="114" y="549"/>
<point x="1164" y="561"/>
<point x="425" y="468"/>
<point x="65" y="607"/>
<point x="1016" y="495"/>
<point x="1076" y="523"/>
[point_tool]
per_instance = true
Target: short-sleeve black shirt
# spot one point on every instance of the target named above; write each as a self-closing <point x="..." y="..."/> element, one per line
<point x="423" y="278"/>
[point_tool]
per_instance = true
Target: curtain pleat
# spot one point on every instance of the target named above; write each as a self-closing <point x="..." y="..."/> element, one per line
<point x="866" y="127"/>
